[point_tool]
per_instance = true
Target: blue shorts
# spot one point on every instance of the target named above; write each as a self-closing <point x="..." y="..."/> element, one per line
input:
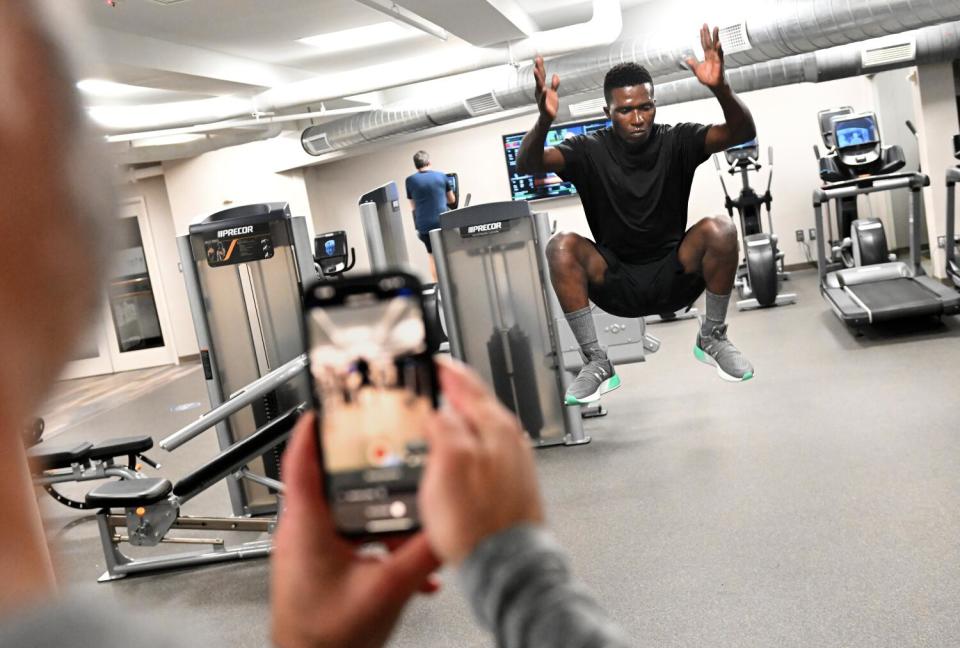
<point x="425" y="239"/>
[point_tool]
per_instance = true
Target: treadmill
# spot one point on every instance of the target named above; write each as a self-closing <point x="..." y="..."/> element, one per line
<point x="951" y="242"/>
<point x="879" y="292"/>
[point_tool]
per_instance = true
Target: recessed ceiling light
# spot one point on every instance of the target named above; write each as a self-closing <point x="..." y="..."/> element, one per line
<point x="103" y="88"/>
<point x="359" y="37"/>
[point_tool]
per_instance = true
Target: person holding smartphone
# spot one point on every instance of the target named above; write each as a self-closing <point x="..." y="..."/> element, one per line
<point x="479" y="504"/>
<point x="481" y="513"/>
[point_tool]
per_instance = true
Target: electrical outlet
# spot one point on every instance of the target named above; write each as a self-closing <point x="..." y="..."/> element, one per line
<point x="942" y="242"/>
<point x="800" y="235"/>
<point x="813" y="234"/>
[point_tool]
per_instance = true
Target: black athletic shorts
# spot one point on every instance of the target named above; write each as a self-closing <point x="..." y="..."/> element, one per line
<point x="654" y="288"/>
<point x="425" y="239"/>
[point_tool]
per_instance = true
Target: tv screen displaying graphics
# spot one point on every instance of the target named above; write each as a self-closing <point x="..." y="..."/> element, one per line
<point x="544" y="185"/>
<point x="857" y="131"/>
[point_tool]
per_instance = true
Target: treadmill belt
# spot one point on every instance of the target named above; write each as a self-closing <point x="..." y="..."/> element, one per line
<point x="896" y="298"/>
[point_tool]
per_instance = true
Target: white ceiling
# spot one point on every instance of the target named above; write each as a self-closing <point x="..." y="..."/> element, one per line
<point x="206" y="48"/>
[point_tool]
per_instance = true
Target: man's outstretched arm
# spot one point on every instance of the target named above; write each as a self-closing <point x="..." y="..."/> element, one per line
<point x="532" y="156"/>
<point x="738" y="126"/>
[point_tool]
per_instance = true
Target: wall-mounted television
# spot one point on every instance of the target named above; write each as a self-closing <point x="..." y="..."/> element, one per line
<point x="544" y="185"/>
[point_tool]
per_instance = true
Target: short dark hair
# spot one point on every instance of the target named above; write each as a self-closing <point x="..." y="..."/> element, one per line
<point x="622" y="75"/>
<point x="421" y="159"/>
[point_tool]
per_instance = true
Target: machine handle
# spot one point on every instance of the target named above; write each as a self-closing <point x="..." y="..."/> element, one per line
<point x="912" y="128"/>
<point x="816" y="151"/>
<point x="723" y="184"/>
<point x="769" y="175"/>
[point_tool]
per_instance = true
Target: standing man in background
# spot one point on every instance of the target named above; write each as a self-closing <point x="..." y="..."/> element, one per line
<point x="430" y="193"/>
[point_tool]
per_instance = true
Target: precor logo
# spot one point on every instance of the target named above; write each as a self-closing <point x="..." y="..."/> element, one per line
<point x="486" y="227"/>
<point x="235" y="231"/>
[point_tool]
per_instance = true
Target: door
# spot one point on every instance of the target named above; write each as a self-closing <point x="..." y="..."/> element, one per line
<point x="132" y="330"/>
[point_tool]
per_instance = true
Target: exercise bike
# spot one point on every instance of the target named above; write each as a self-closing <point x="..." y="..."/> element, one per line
<point x="760" y="274"/>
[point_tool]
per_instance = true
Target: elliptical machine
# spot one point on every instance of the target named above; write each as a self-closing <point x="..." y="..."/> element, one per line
<point x="761" y="272"/>
<point x="858" y="241"/>
<point x="951" y="240"/>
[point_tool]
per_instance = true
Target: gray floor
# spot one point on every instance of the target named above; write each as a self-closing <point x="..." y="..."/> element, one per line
<point x="817" y="505"/>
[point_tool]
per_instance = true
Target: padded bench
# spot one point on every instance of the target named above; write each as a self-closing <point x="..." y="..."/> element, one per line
<point x="64" y="455"/>
<point x="129" y="492"/>
<point x="131" y="445"/>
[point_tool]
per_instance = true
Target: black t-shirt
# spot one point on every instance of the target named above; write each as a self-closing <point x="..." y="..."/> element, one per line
<point x="636" y="201"/>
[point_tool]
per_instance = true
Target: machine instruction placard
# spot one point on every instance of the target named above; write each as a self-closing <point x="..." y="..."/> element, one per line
<point x="240" y="244"/>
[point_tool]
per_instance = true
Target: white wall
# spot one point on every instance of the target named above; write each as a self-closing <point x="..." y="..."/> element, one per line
<point x="236" y="175"/>
<point x="160" y="219"/>
<point x="785" y="117"/>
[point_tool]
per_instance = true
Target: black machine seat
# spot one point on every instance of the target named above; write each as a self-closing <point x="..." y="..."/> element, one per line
<point x="49" y="457"/>
<point x="896" y="298"/>
<point x="126" y="493"/>
<point x="121" y="446"/>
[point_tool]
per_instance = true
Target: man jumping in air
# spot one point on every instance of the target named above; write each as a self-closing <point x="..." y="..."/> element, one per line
<point x="634" y="182"/>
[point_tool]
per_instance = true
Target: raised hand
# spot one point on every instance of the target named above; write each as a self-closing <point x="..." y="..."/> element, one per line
<point x="710" y="71"/>
<point x="547" y="98"/>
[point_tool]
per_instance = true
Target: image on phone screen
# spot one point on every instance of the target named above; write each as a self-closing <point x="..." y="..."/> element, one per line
<point x="375" y="386"/>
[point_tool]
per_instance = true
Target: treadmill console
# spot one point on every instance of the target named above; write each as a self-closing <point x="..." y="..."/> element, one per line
<point x="854" y="146"/>
<point x="825" y="119"/>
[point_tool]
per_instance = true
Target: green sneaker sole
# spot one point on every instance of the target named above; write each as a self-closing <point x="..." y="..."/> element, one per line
<point x="608" y="385"/>
<point x="702" y="356"/>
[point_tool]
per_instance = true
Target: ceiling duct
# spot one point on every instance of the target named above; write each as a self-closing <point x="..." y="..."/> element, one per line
<point x="776" y="29"/>
<point x="935" y="44"/>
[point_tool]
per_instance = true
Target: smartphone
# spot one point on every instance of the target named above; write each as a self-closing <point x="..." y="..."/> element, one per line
<point x="374" y="384"/>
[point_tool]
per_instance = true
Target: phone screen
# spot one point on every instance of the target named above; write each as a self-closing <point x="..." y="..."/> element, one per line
<point x="375" y="385"/>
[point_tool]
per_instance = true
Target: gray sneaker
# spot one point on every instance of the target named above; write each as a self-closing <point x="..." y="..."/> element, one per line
<point x="595" y="379"/>
<point x="715" y="349"/>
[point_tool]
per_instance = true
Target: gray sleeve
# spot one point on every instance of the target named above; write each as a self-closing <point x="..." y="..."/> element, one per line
<point x="520" y="587"/>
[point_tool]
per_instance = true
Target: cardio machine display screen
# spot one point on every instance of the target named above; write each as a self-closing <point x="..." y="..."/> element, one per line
<point x="544" y="185"/>
<point x="856" y="132"/>
<point x="330" y="245"/>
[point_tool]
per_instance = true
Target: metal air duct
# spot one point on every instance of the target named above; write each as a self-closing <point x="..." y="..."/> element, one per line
<point x="777" y="29"/>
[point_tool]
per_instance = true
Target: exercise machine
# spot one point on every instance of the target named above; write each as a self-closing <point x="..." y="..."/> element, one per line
<point x="244" y="269"/>
<point x="882" y="291"/>
<point x="503" y="319"/>
<point x="148" y="509"/>
<point x="857" y="241"/>
<point x="761" y="273"/>
<point x="951" y="241"/>
<point x="387" y="249"/>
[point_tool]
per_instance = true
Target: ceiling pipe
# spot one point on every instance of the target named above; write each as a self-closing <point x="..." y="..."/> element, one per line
<point x="128" y="153"/>
<point x="778" y="28"/>
<point x="237" y="123"/>
<point x="935" y="44"/>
